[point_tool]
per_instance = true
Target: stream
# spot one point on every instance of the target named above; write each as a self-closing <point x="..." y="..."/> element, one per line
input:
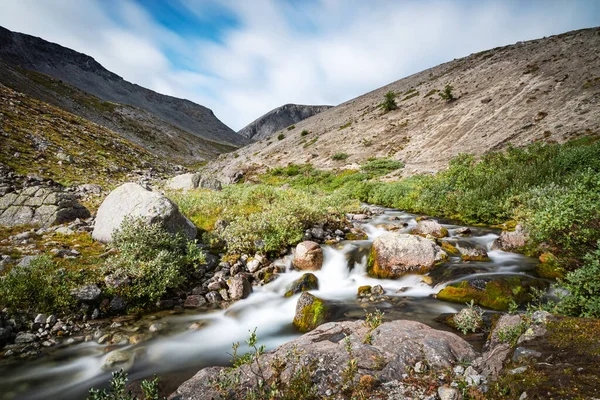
<point x="177" y="352"/>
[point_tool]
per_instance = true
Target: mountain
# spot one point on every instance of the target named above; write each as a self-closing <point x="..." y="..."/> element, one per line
<point x="540" y="90"/>
<point x="29" y="63"/>
<point x="279" y="118"/>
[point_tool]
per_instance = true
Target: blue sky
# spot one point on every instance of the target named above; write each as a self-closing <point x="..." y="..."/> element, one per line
<point x="243" y="58"/>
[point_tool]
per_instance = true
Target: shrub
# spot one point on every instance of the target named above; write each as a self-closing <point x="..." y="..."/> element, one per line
<point x="39" y="287"/>
<point x="469" y="318"/>
<point x="339" y="156"/>
<point x="446" y="94"/>
<point x="118" y="389"/>
<point x="304" y="133"/>
<point x="291" y="127"/>
<point x="382" y="166"/>
<point x="389" y="102"/>
<point x="154" y="259"/>
<point x="281" y="136"/>
<point x="583" y="286"/>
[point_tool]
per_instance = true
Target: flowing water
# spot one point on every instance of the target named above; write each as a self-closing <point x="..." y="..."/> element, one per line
<point x="177" y="352"/>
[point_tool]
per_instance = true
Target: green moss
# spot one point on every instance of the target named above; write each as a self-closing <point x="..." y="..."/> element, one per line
<point x="306" y="282"/>
<point x="363" y="290"/>
<point x="356" y="236"/>
<point x="311" y="316"/>
<point x="549" y="267"/>
<point x="577" y="334"/>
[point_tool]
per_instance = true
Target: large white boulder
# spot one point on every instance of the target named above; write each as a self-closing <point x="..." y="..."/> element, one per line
<point x="130" y="199"/>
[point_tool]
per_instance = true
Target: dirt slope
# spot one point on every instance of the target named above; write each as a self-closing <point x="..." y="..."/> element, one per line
<point x="546" y="89"/>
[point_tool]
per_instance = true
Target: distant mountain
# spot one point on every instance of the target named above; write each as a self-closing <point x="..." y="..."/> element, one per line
<point x="279" y="118"/>
<point x="155" y="114"/>
<point x="544" y="90"/>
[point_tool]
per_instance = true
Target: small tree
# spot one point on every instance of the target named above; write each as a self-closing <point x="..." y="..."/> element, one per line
<point x="446" y="94"/>
<point x="389" y="102"/>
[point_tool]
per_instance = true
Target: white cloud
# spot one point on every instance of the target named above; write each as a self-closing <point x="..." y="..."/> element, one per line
<point x="319" y="52"/>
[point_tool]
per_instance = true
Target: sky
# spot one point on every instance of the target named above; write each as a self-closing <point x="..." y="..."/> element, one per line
<point x="242" y="58"/>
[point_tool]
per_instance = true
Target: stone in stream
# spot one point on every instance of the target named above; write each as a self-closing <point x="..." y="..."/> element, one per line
<point x="306" y="282"/>
<point x="511" y="241"/>
<point x="308" y="256"/>
<point x="393" y="350"/>
<point x="473" y="254"/>
<point x="132" y="200"/>
<point x="239" y="287"/>
<point x="311" y="312"/>
<point x="430" y="227"/>
<point x="394" y="255"/>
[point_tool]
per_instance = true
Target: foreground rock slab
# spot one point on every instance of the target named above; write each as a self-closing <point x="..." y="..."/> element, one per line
<point x="133" y="200"/>
<point x="395" y="348"/>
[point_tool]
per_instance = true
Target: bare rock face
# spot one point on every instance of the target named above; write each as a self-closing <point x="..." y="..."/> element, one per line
<point x="308" y="256"/>
<point x="396" y="347"/>
<point x="430" y="227"/>
<point x="44" y="206"/>
<point x="510" y="241"/>
<point x="132" y="200"/>
<point x="279" y="118"/>
<point x="396" y="254"/>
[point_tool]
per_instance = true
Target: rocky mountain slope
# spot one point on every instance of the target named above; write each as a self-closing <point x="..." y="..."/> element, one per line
<point x="541" y="90"/>
<point x="278" y="119"/>
<point x="175" y="116"/>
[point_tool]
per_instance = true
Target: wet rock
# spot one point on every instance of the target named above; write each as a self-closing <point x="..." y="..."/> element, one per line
<point x="448" y="393"/>
<point x="473" y="254"/>
<point x="159" y="326"/>
<point x="463" y="231"/>
<point x="239" y="287"/>
<point x="194" y="301"/>
<point x="511" y="241"/>
<point x="133" y="200"/>
<point x="86" y="293"/>
<point x="549" y="267"/>
<point x="25" y="337"/>
<point x="394" y="255"/>
<point x="430" y="227"/>
<point x="356" y="234"/>
<point x="118" y="359"/>
<point x="310" y="312"/>
<point x="306" y="282"/>
<point x="308" y="256"/>
<point x="213" y="297"/>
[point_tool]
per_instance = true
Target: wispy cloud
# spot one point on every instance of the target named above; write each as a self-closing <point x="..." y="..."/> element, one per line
<point x="243" y="58"/>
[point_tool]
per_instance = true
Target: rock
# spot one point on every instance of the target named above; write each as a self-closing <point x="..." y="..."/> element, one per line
<point x="184" y="182"/>
<point x="159" y="326"/>
<point x="463" y="231"/>
<point x="473" y="254"/>
<point x="213" y="297"/>
<point x="117" y="304"/>
<point x="253" y="265"/>
<point x="310" y="312"/>
<point x="356" y="234"/>
<point x="430" y="227"/>
<point x="118" y="358"/>
<point x="208" y="182"/>
<point x="448" y="393"/>
<point x="496" y="294"/>
<point x="25" y="337"/>
<point x="549" y="267"/>
<point x="239" y="287"/>
<point x="86" y="293"/>
<point x="308" y="256"/>
<point x="51" y="320"/>
<point x="236" y="177"/>
<point x="395" y="347"/>
<point x="395" y="254"/>
<point x="317" y="233"/>
<point x="133" y="200"/>
<point x="511" y="241"/>
<point x="40" y="319"/>
<point x="306" y="282"/>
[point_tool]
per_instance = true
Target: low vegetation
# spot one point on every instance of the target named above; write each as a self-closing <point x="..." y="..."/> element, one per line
<point x="469" y="318"/>
<point x="339" y="156"/>
<point x="447" y="94"/>
<point x="389" y="102"/>
<point x="118" y="389"/>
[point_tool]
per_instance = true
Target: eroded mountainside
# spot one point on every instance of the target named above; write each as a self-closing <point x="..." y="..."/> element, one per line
<point x="278" y="119"/>
<point x="546" y="89"/>
<point x="139" y="111"/>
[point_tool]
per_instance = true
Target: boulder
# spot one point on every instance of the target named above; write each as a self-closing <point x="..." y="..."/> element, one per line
<point x="209" y="182"/>
<point x="311" y="312"/>
<point x="194" y="301"/>
<point x="430" y="227"/>
<point x="239" y="287"/>
<point x="132" y="200"/>
<point x="395" y="254"/>
<point x="184" y="182"/>
<point x="308" y="256"/>
<point x="393" y="350"/>
<point x="306" y="282"/>
<point x="473" y="254"/>
<point x="86" y="293"/>
<point x="511" y="241"/>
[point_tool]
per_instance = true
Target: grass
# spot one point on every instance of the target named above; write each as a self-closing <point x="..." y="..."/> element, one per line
<point x="346" y="125"/>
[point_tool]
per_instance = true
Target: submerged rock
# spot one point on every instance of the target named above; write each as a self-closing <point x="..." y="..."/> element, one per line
<point x="306" y="282"/>
<point x="308" y="256"/>
<point x="394" y="255"/>
<point x="133" y="200"/>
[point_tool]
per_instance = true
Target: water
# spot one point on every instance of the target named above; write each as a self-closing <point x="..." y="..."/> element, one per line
<point x="178" y="352"/>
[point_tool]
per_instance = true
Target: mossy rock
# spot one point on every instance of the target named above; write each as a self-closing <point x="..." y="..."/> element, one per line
<point x="364" y="290"/>
<point x="311" y="312"/>
<point x="495" y="294"/>
<point x="549" y="267"/>
<point x="449" y="248"/>
<point x="306" y="282"/>
<point x="356" y="234"/>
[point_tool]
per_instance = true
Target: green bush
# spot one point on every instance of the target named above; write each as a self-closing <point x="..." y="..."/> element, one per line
<point x="339" y="156"/>
<point x="304" y="133"/>
<point x="389" y="102"/>
<point x="469" y="318"/>
<point x="118" y="389"/>
<point x="291" y="127"/>
<point x="281" y="136"/>
<point x="154" y="259"/>
<point x="40" y="287"/>
<point x="446" y="94"/>
<point x="381" y="166"/>
<point x="583" y="286"/>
